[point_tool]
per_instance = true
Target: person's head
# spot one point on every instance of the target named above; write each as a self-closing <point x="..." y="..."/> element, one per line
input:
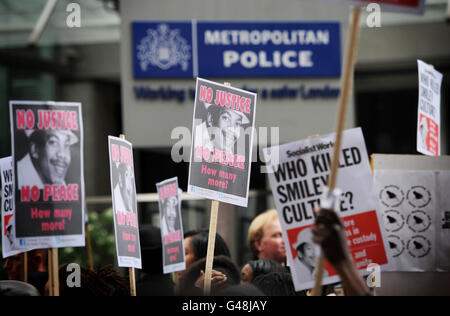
<point x="37" y="261"/>
<point x="257" y="267"/>
<point x="151" y="249"/>
<point x="275" y="284"/>
<point x="170" y="207"/>
<point x="305" y="248"/>
<point x="196" y="247"/>
<point x="265" y="237"/>
<point x="225" y="125"/>
<point x="222" y="264"/>
<point x="102" y="282"/>
<point x="51" y="154"/>
<point x="126" y="185"/>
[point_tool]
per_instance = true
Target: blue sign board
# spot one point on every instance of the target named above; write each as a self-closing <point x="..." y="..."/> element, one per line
<point x="236" y="49"/>
<point x="162" y="50"/>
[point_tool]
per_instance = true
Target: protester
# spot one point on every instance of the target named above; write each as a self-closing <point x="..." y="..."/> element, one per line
<point x="239" y="290"/>
<point x="224" y="273"/>
<point x="102" y="282"/>
<point x="329" y="232"/>
<point x="196" y="247"/>
<point x="265" y="237"/>
<point x="275" y="284"/>
<point x="48" y="158"/>
<point x="151" y="279"/>
<point x="17" y="288"/>
<point x="37" y="268"/>
<point x="258" y="267"/>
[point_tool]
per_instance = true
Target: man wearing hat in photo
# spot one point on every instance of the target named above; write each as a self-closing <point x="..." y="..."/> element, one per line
<point x="169" y="222"/>
<point x="124" y="191"/>
<point x="220" y="129"/>
<point x="48" y="158"/>
<point x="305" y="262"/>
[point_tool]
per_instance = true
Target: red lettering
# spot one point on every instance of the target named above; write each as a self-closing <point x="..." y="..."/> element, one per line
<point x="126" y="156"/>
<point x="248" y="104"/>
<point x="47" y="192"/>
<point x="35" y="193"/>
<point x="25" y="194"/>
<point x="20" y="118"/>
<point x="115" y="153"/>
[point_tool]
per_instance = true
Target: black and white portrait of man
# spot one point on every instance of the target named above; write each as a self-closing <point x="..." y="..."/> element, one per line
<point x="170" y="222"/>
<point x="124" y="190"/>
<point x="220" y="129"/>
<point x="48" y="158"/>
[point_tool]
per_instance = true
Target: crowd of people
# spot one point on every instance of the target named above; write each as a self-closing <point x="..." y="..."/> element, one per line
<point x="266" y="275"/>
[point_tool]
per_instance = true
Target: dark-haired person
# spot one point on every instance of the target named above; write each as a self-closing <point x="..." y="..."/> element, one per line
<point x="258" y="267"/>
<point x="37" y="268"/>
<point x="224" y="274"/>
<point x="196" y="248"/>
<point x="48" y="158"/>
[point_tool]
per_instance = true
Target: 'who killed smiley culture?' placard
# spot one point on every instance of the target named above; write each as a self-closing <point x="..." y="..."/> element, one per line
<point x="47" y="146"/>
<point x="298" y="182"/>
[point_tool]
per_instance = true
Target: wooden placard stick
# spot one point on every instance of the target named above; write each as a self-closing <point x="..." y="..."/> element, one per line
<point x="89" y="246"/>
<point x="131" y="271"/>
<point x="25" y="267"/>
<point x="346" y="88"/>
<point x="54" y="272"/>
<point x="211" y="241"/>
<point x="211" y="246"/>
<point x="50" y="272"/>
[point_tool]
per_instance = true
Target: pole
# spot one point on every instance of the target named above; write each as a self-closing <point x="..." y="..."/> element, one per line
<point x="89" y="246"/>
<point x="346" y="88"/>
<point x="211" y="245"/>
<point x="25" y="267"/>
<point x="211" y="241"/>
<point x="54" y="272"/>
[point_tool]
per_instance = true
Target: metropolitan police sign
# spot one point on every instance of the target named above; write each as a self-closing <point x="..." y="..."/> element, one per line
<point x="236" y="49"/>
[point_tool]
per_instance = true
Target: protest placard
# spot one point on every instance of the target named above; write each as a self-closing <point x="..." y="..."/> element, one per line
<point x="298" y="183"/>
<point x="47" y="147"/>
<point x="416" y="210"/>
<point x="9" y="245"/>
<point x="429" y="117"/>
<point x="171" y="226"/>
<point x="222" y="141"/>
<point x="123" y="189"/>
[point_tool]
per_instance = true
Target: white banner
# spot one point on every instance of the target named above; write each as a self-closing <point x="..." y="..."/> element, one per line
<point x="429" y="117"/>
<point x="298" y="182"/>
<point x="10" y="247"/>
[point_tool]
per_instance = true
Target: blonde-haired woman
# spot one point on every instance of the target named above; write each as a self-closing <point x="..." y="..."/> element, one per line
<point x="265" y="237"/>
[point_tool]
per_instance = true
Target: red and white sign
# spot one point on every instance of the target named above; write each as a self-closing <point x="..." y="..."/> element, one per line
<point x="429" y="116"/>
<point x="298" y="182"/>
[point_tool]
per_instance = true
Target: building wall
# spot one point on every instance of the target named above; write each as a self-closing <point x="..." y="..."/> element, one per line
<point x="149" y="124"/>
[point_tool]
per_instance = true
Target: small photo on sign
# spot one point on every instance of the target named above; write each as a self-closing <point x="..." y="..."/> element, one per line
<point x="172" y="235"/>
